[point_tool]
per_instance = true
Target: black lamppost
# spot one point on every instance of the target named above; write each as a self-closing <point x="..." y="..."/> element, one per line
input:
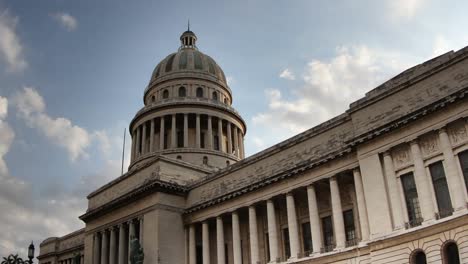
<point x="31" y="252"/>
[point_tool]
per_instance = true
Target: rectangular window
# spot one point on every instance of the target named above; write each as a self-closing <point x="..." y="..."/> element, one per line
<point x="287" y="249"/>
<point x="327" y="229"/>
<point x="165" y="140"/>
<point x="411" y="199"/>
<point x="441" y="189"/>
<point x="202" y="140"/>
<point x="180" y="139"/>
<point x="216" y="143"/>
<point x="350" y="229"/>
<point x="306" y="238"/>
<point x="463" y="157"/>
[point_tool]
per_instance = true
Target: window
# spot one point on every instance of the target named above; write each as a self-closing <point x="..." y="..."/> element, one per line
<point x="418" y="258"/>
<point x="216" y="142"/>
<point x="463" y="157"/>
<point x="202" y="140"/>
<point x="411" y="199"/>
<point x="180" y="139"/>
<point x="182" y="92"/>
<point x="350" y="230"/>
<point x="179" y="157"/>
<point x="450" y="253"/>
<point x="199" y="92"/>
<point x="215" y="96"/>
<point x="441" y="189"/>
<point x="287" y="249"/>
<point x="205" y="160"/>
<point x="153" y="98"/>
<point x="165" y="94"/>
<point x="165" y="140"/>
<point x="327" y="229"/>
<point x="306" y="238"/>
<point x="225" y="100"/>
<point x="227" y="163"/>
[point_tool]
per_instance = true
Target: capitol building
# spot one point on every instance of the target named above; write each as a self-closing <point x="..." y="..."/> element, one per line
<point x="384" y="182"/>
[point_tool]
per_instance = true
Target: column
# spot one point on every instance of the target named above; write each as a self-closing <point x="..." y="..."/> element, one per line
<point x="422" y="183"/>
<point x="206" y="242"/>
<point x="133" y="145"/>
<point x="292" y="226"/>
<point x="141" y="230"/>
<point x="220" y="134"/>
<point x="455" y="184"/>
<point x="337" y="212"/>
<point x="241" y="145"/>
<point x="138" y="142"/>
<point x="314" y="219"/>
<point x="105" y="248"/>
<point x="229" y="137"/>
<point x="253" y="232"/>
<point x="197" y="132"/>
<point x="220" y="240"/>
<point x="113" y="245"/>
<point x="393" y="191"/>
<point x="173" y="132"/>
<point x="185" y="130"/>
<point x="97" y="248"/>
<point x="210" y="134"/>
<point x="161" y="134"/>
<point x="151" y="146"/>
<point x="361" y="204"/>
<point x="143" y="139"/>
<point x="131" y="235"/>
<point x="236" y="240"/>
<point x="272" y="231"/>
<point x="122" y="240"/>
<point x="192" y="245"/>
<point x="236" y="143"/>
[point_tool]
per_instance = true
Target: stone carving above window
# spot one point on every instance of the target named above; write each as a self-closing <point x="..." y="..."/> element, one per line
<point x="458" y="133"/>
<point x="401" y="156"/>
<point x="429" y="144"/>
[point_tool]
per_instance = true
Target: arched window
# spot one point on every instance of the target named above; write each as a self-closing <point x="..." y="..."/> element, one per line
<point x="205" y="160"/>
<point x="165" y="94"/>
<point x="182" y="92"/>
<point x="153" y="98"/>
<point x="199" y="92"/>
<point x="226" y="101"/>
<point x="450" y="253"/>
<point x="418" y="257"/>
<point x="227" y="163"/>
<point x="215" y="96"/>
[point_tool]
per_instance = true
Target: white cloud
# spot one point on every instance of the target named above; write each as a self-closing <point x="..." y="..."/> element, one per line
<point x="287" y="74"/>
<point x="405" y="9"/>
<point x="230" y="80"/>
<point x="6" y="135"/>
<point x="329" y="86"/>
<point x="66" y="20"/>
<point x="11" y="49"/>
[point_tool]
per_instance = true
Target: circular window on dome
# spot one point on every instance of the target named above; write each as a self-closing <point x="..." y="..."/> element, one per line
<point x="182" y="92"/>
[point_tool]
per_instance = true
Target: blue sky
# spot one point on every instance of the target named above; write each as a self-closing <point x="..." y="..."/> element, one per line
<point x="72" y="76"/>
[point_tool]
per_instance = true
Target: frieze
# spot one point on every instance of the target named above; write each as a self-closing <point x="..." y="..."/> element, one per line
<point x="401" y="156"/>
<point x="457" y="133"/>
<point x="429" y="145"/>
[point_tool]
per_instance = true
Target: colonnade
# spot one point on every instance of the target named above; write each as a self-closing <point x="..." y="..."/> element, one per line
<point x="112" y="245"/>
<point x="317" y="239"/>
<point x="210" y="132"/>
<point x="70" y="260"/>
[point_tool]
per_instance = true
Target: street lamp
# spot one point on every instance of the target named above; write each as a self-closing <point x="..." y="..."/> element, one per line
<point x="31" y="252"/>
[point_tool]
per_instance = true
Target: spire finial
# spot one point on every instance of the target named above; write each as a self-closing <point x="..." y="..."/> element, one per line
<point x="188" y="25"/>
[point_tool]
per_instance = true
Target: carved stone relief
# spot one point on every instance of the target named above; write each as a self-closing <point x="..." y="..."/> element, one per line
<point x="401" y="156"/>
<point x="429" y="144"/>
<point x="457" y="133"/>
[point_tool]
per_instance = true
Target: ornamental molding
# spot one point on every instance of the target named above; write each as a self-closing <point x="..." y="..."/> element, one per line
<point x="429" y="144"/>
<point x="401" y="156"/>
<point x="457" y="133"/>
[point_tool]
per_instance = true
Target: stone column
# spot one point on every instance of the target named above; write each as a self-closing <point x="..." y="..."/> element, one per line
<point x="229" y="138"/>
<point x="220" y="240"/>
<point x="314" y="219"/>
<point x="210" y="134"/>
<point x="361" y="204"/>
<point x="236" y="240"/>
<point x="236" y="143"/>
<point x="143" y="138"/>
<point x="393" y="191"/>
<point x="455" y="184"/>
<point x="206" y="242"/>
<point x="173" y="132"/>
<point x="113" y="246"/>
<point x="122" y="244"/>
<point x="161" y="134"/>
<point x="105" y="248"/>
<point x="185" y="130"/>
<point x="131" y="234"/>
<point x="141" y="230"/>
<point x="151" y="147"/>
<point x="337" y="212"/>
<point x="138" y="143"/>
<point x="220" y="134"/>
<point x="192" y="245"/>
<point x="272" y="231"/>
<point x="422" y="183"/>
<point x="292" y="226"/>
<point x="241" y="145"/>
<point x="197" y="132"/>
<point x="134" y="145"/>
<point x="97" y="248"/>
<point x="253" y="232"/>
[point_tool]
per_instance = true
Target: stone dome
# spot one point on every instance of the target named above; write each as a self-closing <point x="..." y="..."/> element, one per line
<point x="188" y="60"/>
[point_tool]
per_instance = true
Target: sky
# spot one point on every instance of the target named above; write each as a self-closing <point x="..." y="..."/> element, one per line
<point x="72" y="76"/>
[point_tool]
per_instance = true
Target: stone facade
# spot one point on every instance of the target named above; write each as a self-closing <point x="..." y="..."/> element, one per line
<point x="384" y="182"/>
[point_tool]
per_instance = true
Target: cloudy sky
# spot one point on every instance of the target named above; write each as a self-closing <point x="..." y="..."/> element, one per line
<point x="72" y="75"/>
